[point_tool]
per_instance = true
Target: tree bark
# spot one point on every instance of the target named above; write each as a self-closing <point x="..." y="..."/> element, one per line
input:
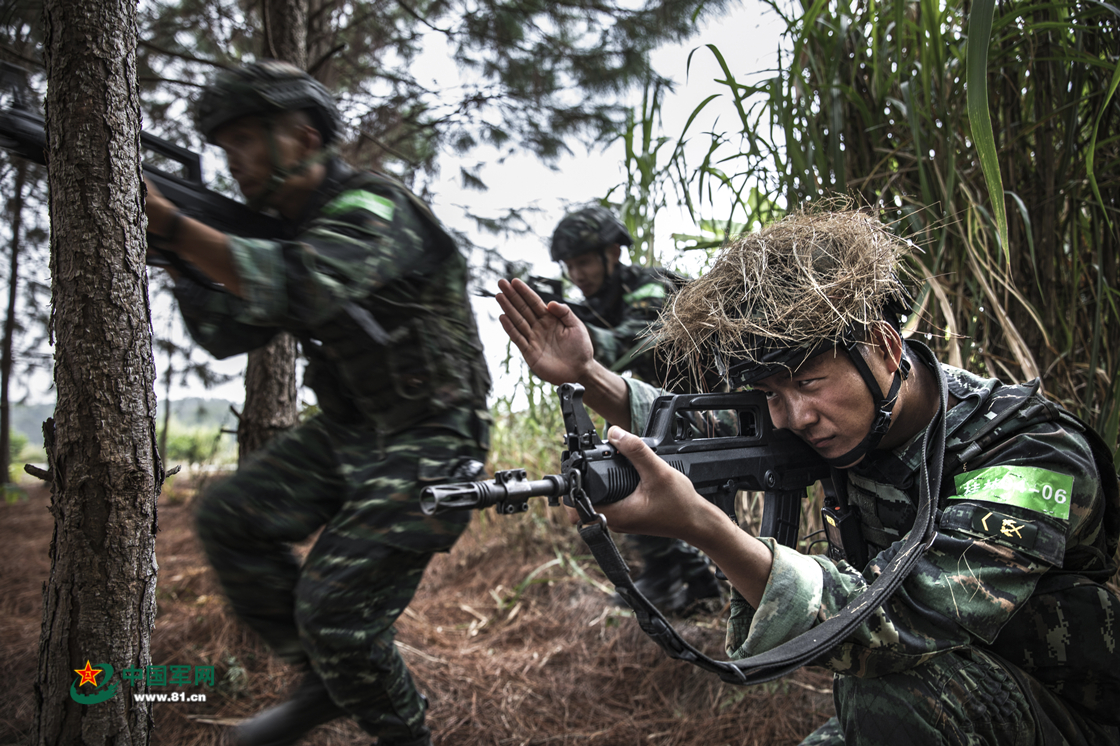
<point x="99" y="602"/>
<point x="270" y="395"/>
<point x="285" y="31"/>
<point x="15" y="212"/>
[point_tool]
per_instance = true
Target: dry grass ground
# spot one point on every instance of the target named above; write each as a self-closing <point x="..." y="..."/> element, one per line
<point x="512" y="644"/>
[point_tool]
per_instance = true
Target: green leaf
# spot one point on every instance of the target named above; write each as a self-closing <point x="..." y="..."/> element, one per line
<point x="979" y="36"/>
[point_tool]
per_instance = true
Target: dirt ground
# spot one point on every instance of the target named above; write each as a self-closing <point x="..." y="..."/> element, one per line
<point x="513" y="642"/>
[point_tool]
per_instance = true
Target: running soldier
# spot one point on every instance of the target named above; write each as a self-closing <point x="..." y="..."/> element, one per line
<point x="375" y="290"/>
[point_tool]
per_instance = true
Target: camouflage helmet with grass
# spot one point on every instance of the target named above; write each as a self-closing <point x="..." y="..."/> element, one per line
<point x="589" y="229"/>
<point x="815" y="281"/>
<point x="265" y="89"/>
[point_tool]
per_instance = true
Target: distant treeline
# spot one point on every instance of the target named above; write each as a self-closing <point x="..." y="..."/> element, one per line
<point x="27" y="419"/>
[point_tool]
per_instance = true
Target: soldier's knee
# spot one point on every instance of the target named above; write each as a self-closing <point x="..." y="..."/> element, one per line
<point x="216" y="524"/>
<point x="955" y="693"/>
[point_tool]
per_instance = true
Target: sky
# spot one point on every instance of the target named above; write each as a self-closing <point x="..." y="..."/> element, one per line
<point x="747" y="37"/>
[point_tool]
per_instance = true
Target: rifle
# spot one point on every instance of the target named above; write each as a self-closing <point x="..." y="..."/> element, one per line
<point x="552" y="289"/>
<point x="720" y="456"/>
<point x="738" y="450"/>
<point x="23" y="133"/>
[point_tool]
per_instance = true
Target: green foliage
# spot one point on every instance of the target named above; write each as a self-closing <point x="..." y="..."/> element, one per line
<point x="17" y="450"/>
<point x="543" y="73"/>
<point x="979" y="37"/>
<point x="194" y="446"/>
<point x="529" y="437"/>
<point x="644" y="193"/>
<point x="16" y="443"/>
<point x="871" y="101"/>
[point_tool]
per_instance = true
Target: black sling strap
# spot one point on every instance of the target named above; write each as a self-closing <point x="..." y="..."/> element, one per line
<point x="804" y="648"/>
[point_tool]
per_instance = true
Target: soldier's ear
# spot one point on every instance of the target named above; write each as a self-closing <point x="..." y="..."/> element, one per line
<point x="310" y="138"/>
<point x="613" y="254"/>
<point x="886" y="343"/>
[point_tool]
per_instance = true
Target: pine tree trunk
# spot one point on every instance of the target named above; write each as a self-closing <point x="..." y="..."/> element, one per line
<point x="270" y="375"/>
<point x="15" y="213"/>
<point x="99" y="603"/>
<point x="270" y="395"/>
<point x="285" y="31"/>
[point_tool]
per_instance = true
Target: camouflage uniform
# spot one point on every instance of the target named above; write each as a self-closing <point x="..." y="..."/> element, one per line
<point x="397" y="412"/>
<point x="621" y="313"/>
<point x="1004" y="632"/>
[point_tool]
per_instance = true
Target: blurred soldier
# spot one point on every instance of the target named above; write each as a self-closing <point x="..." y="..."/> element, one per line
<point x="375" y="290"/>
<point x="621" y="302"/>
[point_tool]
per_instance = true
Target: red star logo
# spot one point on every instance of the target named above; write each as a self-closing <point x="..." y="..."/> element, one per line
<point x="88" y="674"/>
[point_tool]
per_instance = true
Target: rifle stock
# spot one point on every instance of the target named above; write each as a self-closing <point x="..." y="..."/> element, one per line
<point x="739" y="451"/>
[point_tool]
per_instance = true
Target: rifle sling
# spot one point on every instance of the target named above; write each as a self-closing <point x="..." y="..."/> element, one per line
<point x="806" y="647"/>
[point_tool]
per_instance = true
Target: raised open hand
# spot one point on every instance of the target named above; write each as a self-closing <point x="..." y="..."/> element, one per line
<point x="554" y="343"/>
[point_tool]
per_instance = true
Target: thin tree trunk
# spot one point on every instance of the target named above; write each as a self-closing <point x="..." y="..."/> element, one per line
<point x="285" y="31"/>
<point x="15" y="210"/>
<point x="99" y="603"/>
<point x="270" y="395"/>
<point x="270" y="374"/>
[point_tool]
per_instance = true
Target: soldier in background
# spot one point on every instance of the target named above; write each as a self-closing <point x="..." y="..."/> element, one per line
<point x="621" y="301"/>
<point x="375" y="290"/>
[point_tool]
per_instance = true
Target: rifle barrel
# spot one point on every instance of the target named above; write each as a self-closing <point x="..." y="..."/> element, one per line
<point x="509" y="490"/>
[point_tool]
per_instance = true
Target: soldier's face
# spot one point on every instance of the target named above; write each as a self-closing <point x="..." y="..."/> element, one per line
<point x="246" y="144"/>
<point x="589" y="271"/>
<point x="825" y="402"/>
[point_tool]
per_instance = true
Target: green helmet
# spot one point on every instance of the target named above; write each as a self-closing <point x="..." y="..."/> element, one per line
<point x="264" y="89"/>
<point x="587" y="230"/>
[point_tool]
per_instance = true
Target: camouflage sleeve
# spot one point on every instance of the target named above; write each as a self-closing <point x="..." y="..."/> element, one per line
<point x="214" y="320"/>
<point x="997" y="536"/>
<point x="641" y="307"/>
<point x="361" y="241"/>
<point x="642" y="396"/>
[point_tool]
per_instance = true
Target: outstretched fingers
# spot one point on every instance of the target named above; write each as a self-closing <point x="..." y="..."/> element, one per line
<point x="519" y="300"/>
<point x="518" y="317"/>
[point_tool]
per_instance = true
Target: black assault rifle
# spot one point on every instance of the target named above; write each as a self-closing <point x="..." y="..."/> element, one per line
<point x="722" y="442"/>
<point x="737" y="450"/>
<point x="552" y="289"/>
<point x="23" y="133"/>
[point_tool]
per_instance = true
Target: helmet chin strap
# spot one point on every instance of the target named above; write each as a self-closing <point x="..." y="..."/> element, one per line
<point x="884" y="407"/>
<point x="279" y="174"/>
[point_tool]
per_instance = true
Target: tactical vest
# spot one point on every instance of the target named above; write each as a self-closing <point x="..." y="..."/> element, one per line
<point x="412" y="352"/>
<point x="622" y="291"/>
<point x="1065" y="634"/>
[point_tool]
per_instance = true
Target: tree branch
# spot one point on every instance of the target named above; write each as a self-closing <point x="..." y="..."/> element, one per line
<point x="414" y="14"/>
<point x="35" y="471"/>
<point x="180" y="55"/>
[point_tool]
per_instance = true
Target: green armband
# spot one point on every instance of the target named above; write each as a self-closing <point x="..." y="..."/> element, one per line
<point x="1028" y="487"/>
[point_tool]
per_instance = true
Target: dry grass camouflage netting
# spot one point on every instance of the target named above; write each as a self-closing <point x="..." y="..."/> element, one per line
<point x="801" y="282"/>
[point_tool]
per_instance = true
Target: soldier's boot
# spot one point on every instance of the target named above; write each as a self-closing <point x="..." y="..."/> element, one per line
<point x="406" y="735"/>
<point x="309" y="707"/>
<point x="678" y="582"/>
<point x="424" y="739"/>
<point x="664" y="587"/>
<point x="702" y="582"/>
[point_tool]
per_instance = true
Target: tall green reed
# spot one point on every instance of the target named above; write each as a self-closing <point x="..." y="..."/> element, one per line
<point x="871" y="100"/>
